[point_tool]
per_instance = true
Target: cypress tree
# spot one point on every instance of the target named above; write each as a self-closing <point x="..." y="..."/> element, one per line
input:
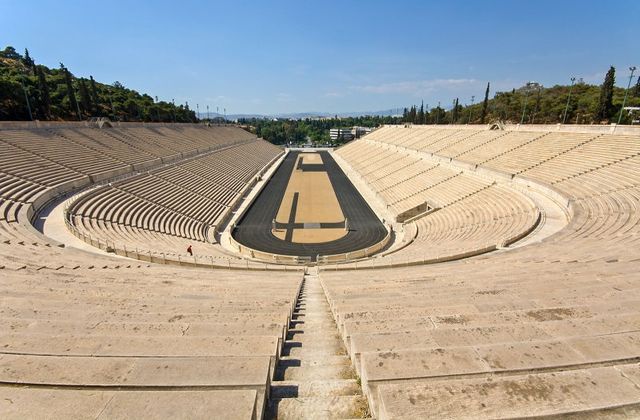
<point x="94" y="96"/>
<point x="70" y="92"/>
<point x="85" y="98"/>
<point x="605" y="104"/>
<point x="421" y="114"/>
<point x="636" y="90"/>
<point x="454" y="113"/>
<point x="45" y="98"/>
<point x="485" y="104"/>
<point x="28" y="61"/>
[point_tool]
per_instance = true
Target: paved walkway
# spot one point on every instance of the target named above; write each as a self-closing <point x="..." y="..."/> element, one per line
<point x="51" y="223"/>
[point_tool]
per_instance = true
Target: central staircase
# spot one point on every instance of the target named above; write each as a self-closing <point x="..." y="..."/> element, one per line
<point x="314" y="378"/>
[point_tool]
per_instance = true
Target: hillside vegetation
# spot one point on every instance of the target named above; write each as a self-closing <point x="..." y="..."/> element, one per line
<point x="56" y="94"/>
<point x="536" y="104"/>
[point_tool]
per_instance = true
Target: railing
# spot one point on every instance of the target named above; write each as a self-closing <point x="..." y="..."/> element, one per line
<point x="321" y="259"/>
<point x="195" y="261"/>
<point x="266" y="256"/>
<point x="360" y="253"/>
<point x="376" y="263"/>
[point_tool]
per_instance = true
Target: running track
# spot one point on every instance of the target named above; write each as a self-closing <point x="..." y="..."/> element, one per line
<point x="254" y="229"/>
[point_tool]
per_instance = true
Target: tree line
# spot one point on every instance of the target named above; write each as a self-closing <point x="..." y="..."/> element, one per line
<point x="313" y="130"/>
<point x="30" y="91"/>
<point x="577" y="103"/>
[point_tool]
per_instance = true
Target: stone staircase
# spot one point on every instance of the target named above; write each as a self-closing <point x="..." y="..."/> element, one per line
<point x="314" y="378"/>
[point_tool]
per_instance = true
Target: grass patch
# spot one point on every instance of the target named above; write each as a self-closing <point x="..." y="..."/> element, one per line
<point x="348" y="373"/>
<point x="361" y="408"/>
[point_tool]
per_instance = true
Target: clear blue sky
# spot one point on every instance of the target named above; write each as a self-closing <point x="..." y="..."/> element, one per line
<point x="329" y="56"/>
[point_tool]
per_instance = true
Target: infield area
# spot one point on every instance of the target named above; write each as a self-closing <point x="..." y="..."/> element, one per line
<point x="308" y="208"/>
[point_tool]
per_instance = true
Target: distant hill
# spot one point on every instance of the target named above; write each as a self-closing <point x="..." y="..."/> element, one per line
<point x="309" y="115"/>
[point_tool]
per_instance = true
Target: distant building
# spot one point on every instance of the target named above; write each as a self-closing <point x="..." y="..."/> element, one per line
<point x="348" y="133"/>
<point x="530" y="87"/>
<point x="341" y="134"/>
<point x="634" y="112"/>
<point x="360" y="131"/>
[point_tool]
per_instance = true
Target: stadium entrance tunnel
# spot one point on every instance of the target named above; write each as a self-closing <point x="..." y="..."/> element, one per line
<point x="309" y="209"/>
